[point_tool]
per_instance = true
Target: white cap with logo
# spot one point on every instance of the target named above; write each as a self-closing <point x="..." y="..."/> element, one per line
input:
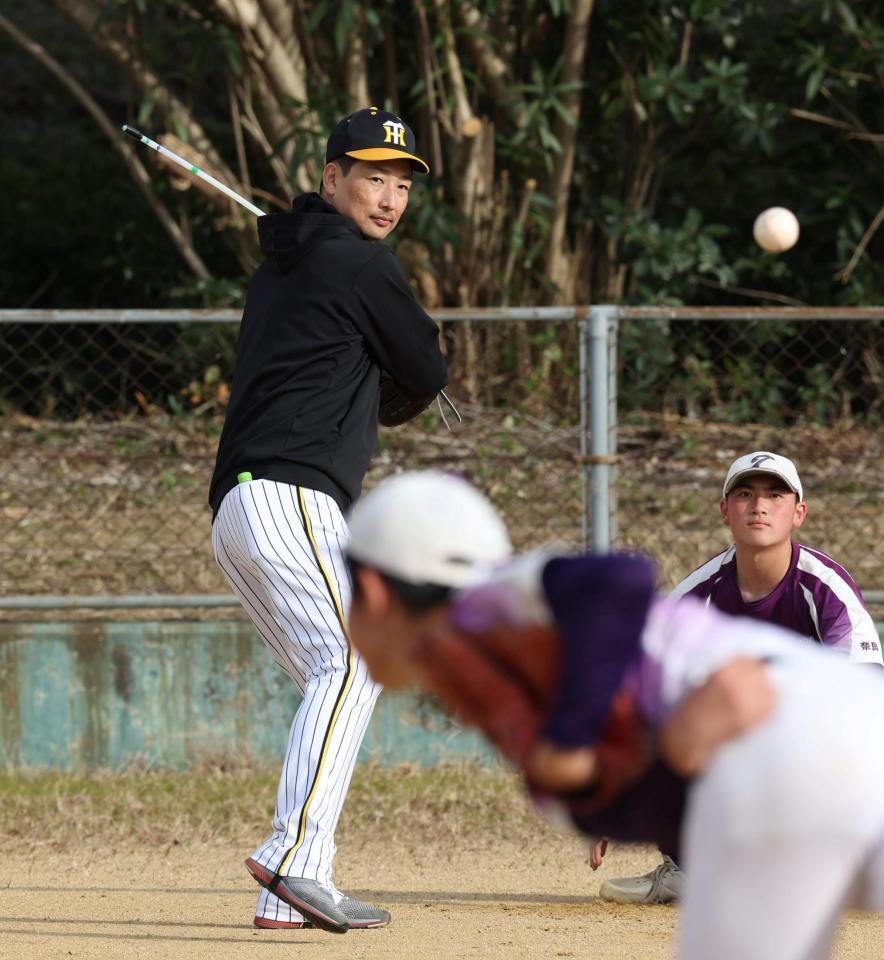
<point x="763" y="462"/>
<point x="428" y="527"/>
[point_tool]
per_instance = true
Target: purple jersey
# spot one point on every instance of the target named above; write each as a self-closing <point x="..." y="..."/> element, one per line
<point x="617" y="636"/>
<point x="817" y="598"/>
<point x="601" y="606"/>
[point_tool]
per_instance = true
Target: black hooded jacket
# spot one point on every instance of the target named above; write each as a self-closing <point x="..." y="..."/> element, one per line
<point x="325" y="313"/>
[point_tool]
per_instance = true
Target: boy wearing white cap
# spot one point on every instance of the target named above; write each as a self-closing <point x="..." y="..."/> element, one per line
<point x="766" y="575"/>
<point x="415" y="540"/>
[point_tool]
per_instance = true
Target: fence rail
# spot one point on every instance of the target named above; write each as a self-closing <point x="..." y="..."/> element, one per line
<point x="109" y="420"/>
<point x="509" y="314"/>
<point x="166" y="315"/>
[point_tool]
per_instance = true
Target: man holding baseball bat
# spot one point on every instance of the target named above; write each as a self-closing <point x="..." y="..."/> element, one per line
<point x="639" y="717"/>
<point x="767" y="576"/>
<point x="332" y="341"/>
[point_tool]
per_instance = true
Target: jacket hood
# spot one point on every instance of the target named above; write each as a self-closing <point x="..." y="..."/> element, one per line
<point x="286" y="237"/>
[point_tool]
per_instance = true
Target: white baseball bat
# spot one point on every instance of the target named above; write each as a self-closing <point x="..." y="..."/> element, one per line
<point x="138" y="135"/>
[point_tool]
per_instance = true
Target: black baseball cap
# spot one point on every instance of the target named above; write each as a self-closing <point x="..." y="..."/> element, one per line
<point x="372" y="134"/>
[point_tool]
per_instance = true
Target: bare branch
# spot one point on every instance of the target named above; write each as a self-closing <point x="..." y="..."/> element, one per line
<point x="844" y="274"/>
<point x="857" y="125"/>
<point x="634" y="99"/>
<point x="389" y="58"/>
<point x="231" y="212"/>
<point x="281" y="17"/>
<point x="515" y="247"/>
<point x="282" y="62"/>
<point x="748" y="292"/>
<point x="685" y="53"/>
<point x="819" y="118"/>
<point x="437" y="118"/>
<point x="136" y="168"/>
<point x="271" y="198"/>
<point x="492" y="67"/>
<point x="236" y="123"/>
<point x="253" y="127"/>
<point x="311" y="60"/>
<point x="120" y="49"/>
<point x="472" y="149"/>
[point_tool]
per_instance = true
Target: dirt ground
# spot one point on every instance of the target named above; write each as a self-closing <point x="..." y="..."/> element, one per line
<point x="471" y="901"/>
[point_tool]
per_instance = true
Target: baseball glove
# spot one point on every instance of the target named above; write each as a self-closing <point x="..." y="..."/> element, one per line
<point x="503" y="680"/>
<point x="395" y="407"/>
<point x="500" y="680"/>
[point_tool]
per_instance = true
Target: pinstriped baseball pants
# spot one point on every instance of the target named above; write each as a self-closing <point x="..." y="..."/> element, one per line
<point x="282" y="549"/>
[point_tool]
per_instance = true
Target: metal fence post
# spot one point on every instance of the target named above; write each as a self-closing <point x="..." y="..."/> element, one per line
<point x="582" y="336"/>
<point x="602" y="319"/>
<point x="613" y="334"/>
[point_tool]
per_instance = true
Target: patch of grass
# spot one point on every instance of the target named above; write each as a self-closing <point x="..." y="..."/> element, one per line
<point x="160" y="807"/>
<point x="234" y="803"/>
<point x="455" y="800"/>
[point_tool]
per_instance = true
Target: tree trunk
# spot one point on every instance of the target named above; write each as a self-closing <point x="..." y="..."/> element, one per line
<point x="275" y="59"/>
<point x="356" y="68"/>
<point x="558" y="260"/>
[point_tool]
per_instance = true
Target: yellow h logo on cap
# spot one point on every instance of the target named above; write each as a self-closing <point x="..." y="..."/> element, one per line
<point x="395" y="132"/>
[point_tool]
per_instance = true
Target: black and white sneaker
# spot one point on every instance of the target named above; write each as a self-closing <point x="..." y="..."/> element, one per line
<point x="322" y="906"/>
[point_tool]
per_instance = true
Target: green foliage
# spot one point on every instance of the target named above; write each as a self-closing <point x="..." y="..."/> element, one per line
<point x="705" y="119"/>
<point x="542" y="100"/>
<point x="692" y="117"/>
<point x="751" y="371"/>
<point x="687" y="128"/>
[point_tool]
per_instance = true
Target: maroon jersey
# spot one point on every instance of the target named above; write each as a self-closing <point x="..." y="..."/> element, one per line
<point x="816" y="598"/>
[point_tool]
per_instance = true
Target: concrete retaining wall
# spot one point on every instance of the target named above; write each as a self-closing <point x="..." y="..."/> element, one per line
<point x="173" y="694"/>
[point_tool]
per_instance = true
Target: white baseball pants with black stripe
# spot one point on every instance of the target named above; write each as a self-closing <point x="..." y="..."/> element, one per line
<point x="282" y="549"/>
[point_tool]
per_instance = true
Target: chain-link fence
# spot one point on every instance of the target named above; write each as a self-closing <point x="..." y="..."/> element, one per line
<point x="109" y="423"/>
<point x="699" y="387"/>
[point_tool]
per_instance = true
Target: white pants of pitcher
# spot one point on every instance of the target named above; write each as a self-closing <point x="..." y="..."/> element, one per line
<point x="785" y="830"/>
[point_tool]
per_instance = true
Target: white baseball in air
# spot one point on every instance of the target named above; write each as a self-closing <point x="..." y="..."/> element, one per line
<point x="776" y="229"/>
